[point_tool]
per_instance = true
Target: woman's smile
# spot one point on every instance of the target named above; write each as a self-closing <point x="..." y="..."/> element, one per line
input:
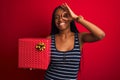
<point x="61" y="24"/>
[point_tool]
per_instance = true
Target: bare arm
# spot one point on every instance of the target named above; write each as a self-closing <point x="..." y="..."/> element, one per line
<point x="95" y="33"/>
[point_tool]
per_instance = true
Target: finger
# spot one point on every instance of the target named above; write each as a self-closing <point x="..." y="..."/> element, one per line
<point x="67" y="6"/>
<point x="66" y="16"/>
<point x="66" y="19"/>
<point x="63" y="6"/>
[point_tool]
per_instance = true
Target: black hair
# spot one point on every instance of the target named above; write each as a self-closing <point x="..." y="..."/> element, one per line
<point x="55" y="30"/>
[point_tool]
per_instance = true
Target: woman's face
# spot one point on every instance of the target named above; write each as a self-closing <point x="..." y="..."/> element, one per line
<point x="62" y="19"/>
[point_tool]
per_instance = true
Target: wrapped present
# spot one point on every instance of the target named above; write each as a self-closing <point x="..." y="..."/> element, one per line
<point x="34" y="53"/>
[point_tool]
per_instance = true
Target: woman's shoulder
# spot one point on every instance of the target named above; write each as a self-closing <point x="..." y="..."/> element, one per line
<point x="80" y="36"/>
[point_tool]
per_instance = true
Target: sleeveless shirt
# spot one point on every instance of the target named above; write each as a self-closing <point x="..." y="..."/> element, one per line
<point x="64" y="65"/>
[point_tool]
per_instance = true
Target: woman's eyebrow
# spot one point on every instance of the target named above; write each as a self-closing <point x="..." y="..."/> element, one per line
<point x="57" y="15"/>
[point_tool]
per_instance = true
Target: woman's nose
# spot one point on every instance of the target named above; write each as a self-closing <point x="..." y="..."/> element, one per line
<point x="60" y="19"/>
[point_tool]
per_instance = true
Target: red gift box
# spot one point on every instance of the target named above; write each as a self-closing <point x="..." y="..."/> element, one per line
<point x="34" y="53"/>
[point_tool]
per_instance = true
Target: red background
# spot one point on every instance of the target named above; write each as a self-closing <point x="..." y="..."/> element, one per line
<point x="32" y="18"/>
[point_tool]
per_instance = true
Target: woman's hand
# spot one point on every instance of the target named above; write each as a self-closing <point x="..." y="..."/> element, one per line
<point x="69" y="10"/>
<point x="95" y="32"/>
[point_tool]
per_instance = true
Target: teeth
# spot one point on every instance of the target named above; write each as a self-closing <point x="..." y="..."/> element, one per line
<point x="62" y="23"/>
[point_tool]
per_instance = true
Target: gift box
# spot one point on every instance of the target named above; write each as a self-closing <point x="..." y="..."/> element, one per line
<point x="34" y="53"/>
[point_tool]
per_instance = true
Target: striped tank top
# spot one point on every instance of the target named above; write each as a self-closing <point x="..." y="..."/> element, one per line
<point x="64" y="65"/>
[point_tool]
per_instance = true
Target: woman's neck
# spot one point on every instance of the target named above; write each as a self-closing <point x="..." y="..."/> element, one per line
<point x="65" y="34"/>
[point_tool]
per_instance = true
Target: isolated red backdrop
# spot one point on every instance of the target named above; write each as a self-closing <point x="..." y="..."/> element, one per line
<point x="32" y="18"/>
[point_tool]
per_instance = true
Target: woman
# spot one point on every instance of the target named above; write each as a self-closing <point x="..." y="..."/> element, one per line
<point x="67" y="42"/>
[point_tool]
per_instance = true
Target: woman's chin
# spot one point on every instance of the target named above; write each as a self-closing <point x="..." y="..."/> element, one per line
<point x="61" y="27"/>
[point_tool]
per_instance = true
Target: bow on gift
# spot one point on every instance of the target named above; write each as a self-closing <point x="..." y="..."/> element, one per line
<point x="40" y="46"/>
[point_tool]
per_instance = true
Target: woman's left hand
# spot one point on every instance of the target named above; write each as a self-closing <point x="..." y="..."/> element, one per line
<point x="69" y="10"/>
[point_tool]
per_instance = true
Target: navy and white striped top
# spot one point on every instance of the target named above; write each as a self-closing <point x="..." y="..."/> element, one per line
<point x="64" y="65"/>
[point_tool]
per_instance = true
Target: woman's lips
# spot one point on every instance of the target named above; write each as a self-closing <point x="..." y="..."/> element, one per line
<point x="61" y="24"/>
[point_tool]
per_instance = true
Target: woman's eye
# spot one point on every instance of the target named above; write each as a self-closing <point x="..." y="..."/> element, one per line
<point x="56" y="17"/>
<point x="66" y="15"/>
